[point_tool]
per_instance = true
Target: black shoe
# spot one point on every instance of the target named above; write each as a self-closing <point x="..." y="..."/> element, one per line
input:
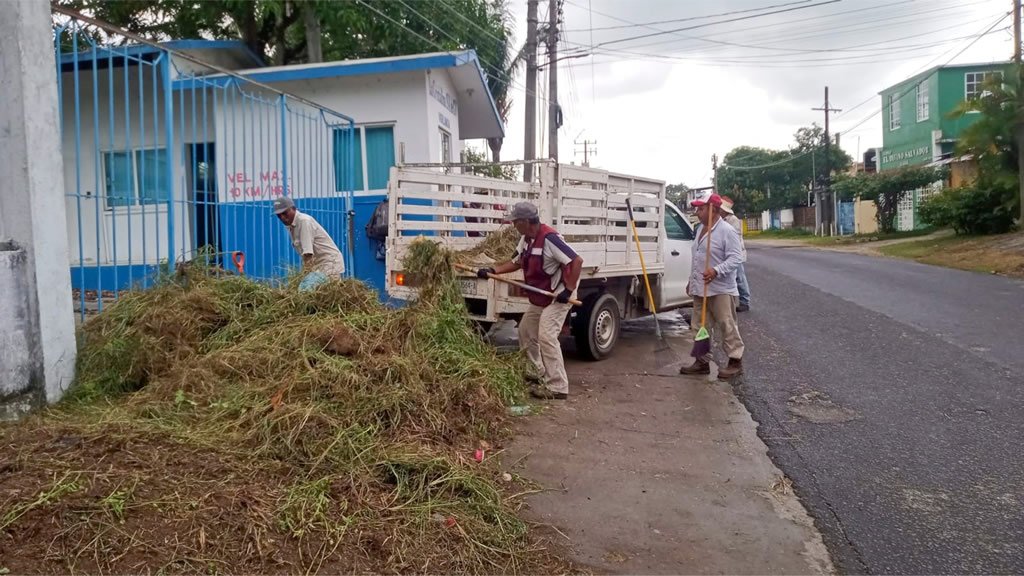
<point x="698" y="367"/>
<point x="743" y="308"/>
<point x="547" y="394"/>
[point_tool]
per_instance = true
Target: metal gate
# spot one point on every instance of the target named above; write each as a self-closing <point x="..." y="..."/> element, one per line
<point x="170" y="158"/>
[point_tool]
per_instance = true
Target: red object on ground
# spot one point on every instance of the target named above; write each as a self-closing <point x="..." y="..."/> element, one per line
<point x="479" y="455"/>
<point x="239" y="259"/>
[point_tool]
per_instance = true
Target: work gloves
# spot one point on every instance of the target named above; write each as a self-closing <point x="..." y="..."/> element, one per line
<point x="563" y="296"/>
<point x="483" y="272"/>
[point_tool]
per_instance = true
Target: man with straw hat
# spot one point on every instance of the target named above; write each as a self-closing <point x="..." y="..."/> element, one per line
<point x="741" y="272"/>
<point x="548" y="263"/>
<point x="713" y="277"/>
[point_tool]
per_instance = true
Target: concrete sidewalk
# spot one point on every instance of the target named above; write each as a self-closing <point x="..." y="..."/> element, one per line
<point x="647" y="472"/>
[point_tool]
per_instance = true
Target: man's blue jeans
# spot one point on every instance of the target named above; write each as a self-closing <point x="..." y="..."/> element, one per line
<point x="742" y="285"/>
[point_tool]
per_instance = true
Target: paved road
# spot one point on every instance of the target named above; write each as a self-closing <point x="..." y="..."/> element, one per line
<point x="892" y="393"/>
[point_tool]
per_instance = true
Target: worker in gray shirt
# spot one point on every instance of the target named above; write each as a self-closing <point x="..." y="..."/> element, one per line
<point x="717" y="283"/>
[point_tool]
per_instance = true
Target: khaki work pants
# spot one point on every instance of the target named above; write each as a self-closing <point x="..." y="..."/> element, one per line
<point x="538" y="337"/>
<point x="721" y="322"/>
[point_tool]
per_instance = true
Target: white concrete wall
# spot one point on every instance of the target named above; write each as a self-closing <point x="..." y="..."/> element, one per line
<point x="399" y="99"/>
<point x="138" y="233"/>
<point x="31" y="202"/>
<point x="441" y="116"/>
<point x="786" y="218"/>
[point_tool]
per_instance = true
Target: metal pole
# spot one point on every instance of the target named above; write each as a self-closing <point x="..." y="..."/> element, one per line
<point x="530" y="142"/>
<point x="1020" y="82"/>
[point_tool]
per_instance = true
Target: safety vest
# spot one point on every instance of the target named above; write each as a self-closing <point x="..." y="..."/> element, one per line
<point x="533" y="267"/>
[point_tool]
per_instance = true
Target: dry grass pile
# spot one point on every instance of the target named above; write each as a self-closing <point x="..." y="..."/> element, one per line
<point x="498" y="246"/>
<point x="223" y="426"/>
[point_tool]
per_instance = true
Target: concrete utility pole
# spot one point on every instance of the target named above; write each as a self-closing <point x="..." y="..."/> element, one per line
<point x="825" y="198"/>
<point x="553" y="111"/>
<point x="37" y="334"/>
<point x="530" y="143"/>
<point x="1020" y="96"/>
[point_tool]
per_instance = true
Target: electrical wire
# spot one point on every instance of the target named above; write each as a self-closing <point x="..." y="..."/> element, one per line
<point x="689" y="19"/>
<point x="663" y="32"/>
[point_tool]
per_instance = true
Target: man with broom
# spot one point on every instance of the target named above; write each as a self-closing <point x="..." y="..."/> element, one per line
<point x="548" y="263"/>
<point x="717" y="253"/>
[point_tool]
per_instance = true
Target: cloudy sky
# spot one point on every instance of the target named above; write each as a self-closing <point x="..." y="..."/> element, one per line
<point x="661" y="105"/>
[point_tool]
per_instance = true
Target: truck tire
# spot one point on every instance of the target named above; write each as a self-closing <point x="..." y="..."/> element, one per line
<point x="596" y="326"/>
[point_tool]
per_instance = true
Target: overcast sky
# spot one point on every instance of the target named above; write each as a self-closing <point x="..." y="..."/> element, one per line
<point x="661" y="106"/>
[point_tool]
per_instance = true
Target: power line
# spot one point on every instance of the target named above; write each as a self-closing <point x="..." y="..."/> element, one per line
<point x="663" y="32"/>
<point x="830" y="31"/>
<point x="689" y="19"/>
<point x="961" y="51"/>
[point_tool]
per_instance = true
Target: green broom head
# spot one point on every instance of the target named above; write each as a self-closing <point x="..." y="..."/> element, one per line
<point x="701" y="343"/>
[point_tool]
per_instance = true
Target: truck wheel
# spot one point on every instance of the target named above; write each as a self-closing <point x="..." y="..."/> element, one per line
<point x="596" y="327"/>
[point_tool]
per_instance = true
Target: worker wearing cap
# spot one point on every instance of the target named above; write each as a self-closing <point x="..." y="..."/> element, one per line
<point x="550" y="264"/>
<point x="318" y="251"/>
<point x="717" y="285"/>
<point x="741" y="273"/>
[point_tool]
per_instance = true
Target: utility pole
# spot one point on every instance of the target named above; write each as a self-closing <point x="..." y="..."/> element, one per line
<point x="1020" y="125"/>
<point x="530" y="143"/>
<point x="825" y="199"/>
<point x="714" y="171"/>
<point x="553" y="109"/>
<point x="587" y="150"/>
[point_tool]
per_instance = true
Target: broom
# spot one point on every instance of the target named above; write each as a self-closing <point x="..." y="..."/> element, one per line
<point x="663" y="353"/>
<point x="702" y="341"/>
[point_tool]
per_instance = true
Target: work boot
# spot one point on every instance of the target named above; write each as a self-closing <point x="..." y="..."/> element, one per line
<point x="532" y="381"/>
<point x="699" y="366"/>
<point x="734" y="369"/>
<point x="743" y="308"/>
<point x="547" y="394"/>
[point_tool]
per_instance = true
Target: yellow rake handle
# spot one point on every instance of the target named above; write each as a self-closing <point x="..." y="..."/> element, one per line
<point x="643" y="266"/>
<point x="707" y="268"/>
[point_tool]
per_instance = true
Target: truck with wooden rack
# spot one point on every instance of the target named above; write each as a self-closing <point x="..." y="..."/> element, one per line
<point x="586" y="205"/>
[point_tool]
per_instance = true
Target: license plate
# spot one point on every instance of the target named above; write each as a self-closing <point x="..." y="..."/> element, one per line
<point x="468" y="286"/>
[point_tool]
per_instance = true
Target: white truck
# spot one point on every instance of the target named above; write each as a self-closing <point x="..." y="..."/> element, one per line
<point x="587" y="206"/>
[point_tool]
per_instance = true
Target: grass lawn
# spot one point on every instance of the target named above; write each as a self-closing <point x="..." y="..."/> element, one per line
<point x="1000" y="254"/>
<point x="809" y="238"/>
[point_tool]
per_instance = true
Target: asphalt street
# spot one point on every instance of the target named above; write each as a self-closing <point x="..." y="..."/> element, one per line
<point x="892" y="394"/>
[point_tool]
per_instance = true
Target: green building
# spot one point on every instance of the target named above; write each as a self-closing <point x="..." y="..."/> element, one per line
<point x="916" y="129"/>
<point x="915" y="124"/>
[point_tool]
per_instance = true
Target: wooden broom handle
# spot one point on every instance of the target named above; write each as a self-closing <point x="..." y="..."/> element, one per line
<point x="707" y="268"/>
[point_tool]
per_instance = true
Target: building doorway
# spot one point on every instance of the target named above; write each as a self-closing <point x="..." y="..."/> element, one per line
<point x="203" y="182"/>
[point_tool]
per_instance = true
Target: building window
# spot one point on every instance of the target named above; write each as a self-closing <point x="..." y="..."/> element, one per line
<point x="373" y="155"/>
<point x="894" y="112"/>
<point x="137" y="177"/>
<point x="974" y="83"/>
<point x="446" y="146"/>
<point x="922" y="101"/>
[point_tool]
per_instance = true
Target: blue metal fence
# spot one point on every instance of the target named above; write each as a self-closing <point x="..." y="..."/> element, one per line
<point x="168" y="161"/>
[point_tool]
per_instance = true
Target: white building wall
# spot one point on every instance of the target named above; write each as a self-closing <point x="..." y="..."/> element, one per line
<point x="442" y="114"/>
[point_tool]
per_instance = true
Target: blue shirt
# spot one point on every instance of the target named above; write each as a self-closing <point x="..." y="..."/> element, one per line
<point x="726" y="256"/>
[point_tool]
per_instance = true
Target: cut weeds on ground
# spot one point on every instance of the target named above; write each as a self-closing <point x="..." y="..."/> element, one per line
<point x="224" y="426"/>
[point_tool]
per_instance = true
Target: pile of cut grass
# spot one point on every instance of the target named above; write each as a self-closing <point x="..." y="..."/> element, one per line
<point x="222" y="425"/>
<point x="497" y="246"/>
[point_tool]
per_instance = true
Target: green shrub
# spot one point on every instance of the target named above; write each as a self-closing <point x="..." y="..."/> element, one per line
<point x="982" y="208"/>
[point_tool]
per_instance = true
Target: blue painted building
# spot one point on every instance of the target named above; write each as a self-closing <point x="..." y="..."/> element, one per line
<point x="169" y="157"/>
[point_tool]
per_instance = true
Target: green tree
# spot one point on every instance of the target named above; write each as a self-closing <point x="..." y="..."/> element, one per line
<point x="676" y="194"/>
<point x="760" y="179"/>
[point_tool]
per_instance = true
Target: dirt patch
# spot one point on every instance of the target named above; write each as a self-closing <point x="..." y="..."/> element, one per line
<point x="816" y="407"/>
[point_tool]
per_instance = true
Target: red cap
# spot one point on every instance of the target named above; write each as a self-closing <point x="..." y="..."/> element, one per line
<point x="707" y="198"/>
